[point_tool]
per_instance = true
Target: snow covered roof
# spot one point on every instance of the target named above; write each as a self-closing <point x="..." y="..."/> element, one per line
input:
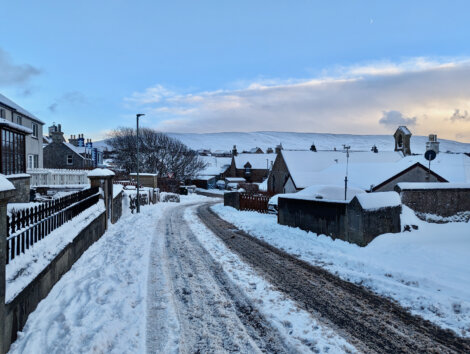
<point x="234" y="179"/>
<point x="11" y="104"/>
<point x="304" y="165"/>
<point x="257" y="161"/>
<point x="432" y="185"/>
<point x="215" y="165"/>
<point x="404" y="130"/>
<point x="100" y="172"/>
<point x="75" y="149"/>
<point x="330" y="193"/>
<point x="21" y="128"/>
<point x="452" y="167"/>
<point x="204" y="178"/>
<point x="378" y="200"/>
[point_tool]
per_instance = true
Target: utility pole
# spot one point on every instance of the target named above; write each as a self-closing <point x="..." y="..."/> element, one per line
<point x="138" y="115"/>
<point x="346" y="147"/>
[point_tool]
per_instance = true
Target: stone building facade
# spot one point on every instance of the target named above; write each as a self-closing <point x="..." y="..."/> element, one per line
<point x="59" y="154"/>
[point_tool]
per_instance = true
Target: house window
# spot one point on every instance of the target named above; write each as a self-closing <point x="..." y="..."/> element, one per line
<point x="19" y="120"/>
<point x="69" y="159"/>
<point x="35" y="130"/>
<point x="13" y="152"/>
<point x="2" y="113"/>
<point x="33" y="161"/>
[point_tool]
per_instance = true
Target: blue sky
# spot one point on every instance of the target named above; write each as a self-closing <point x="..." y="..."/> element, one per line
<point x="207" y="66"/>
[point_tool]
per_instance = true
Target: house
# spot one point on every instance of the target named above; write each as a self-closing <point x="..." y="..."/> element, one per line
<point x="256" y="150"/>
<point x="14" y="113"/>
<point x="252" y="167"/>
<point x="85" y="147"/>
<point x="294" y="170"/>
<point x="371" y="177"/>
<point x="60" y="154"/>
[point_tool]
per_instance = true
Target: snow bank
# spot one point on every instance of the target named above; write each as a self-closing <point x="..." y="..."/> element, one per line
<point x="25" y="267"/>
<point x="425" y="270"/>
<point x="5" y="184"/>
<point x="99" y="306"/>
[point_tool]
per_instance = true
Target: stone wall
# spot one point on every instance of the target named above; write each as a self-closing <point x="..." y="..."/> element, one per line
<point x="18" y="310"/>
<point x="232" y="199"/>
<point x="22" y="185"/>
<point x="443" y="202"/>
<point x="321" y="217"/>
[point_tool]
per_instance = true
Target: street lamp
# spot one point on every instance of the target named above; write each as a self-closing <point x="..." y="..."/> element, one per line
<point x="138" y="115"/>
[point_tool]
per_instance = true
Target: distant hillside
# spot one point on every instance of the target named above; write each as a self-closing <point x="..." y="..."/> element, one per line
<point x="302" y="141"/>
<point x="245" y="141"/>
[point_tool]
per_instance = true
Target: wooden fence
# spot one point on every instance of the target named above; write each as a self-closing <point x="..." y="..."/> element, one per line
<point x="254" y="202"/>
<point x="28" y="226"/>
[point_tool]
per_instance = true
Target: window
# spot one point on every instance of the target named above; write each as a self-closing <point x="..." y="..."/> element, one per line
<point x="19" y="120"/>
<point x="2" y="113"/>
<point x="35" y="130"/>
<point x="13" y="152"/>
<point x="33" y="161"/>
<point x="69" y="159"/>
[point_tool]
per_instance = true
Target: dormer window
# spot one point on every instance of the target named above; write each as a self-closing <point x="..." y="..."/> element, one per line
<point x="247" y="168"/>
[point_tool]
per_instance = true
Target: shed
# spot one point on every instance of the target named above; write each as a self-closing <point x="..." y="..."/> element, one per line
<point x="372" y="214"/>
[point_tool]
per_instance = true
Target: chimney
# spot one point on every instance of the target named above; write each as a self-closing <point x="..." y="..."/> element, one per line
<point x="57" y="137"/>
<point x="234" y="150"/>
<point x="59" y="127"/>
<point x="279" y="148"/>
<point x="432" y="143"/>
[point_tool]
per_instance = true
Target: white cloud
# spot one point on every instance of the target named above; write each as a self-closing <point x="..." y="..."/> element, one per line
<point x="343" y="100"/>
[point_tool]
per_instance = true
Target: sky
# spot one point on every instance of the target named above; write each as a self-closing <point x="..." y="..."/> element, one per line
<point x="359" y="67"/>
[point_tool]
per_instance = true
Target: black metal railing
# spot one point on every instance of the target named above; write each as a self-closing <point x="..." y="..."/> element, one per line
<point x="28" y="226"/>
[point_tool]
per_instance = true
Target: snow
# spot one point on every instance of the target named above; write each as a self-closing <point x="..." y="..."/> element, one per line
<point x="234" y="179"/>
<point x="117" y="188"/>
<point x="18" y="175"/>
<point x="100" y="172"/>
<point x="431" y="185"/>
<point x="257" y="161"/>
<point x="215" y="165"/>
<point x="425" y="270"/>
<point x="5" y="184"/>
<point x="304" y="165"/>
<point x="78" y="150"/>
<point x="452" y="167"/>
<point x="378" y="200"/>
<point x="303" y="141"/>
<point x="25" y="267"/>
<point x="99" y="306"/>
<point x="324" y="193"/>
<point x="144" y="174"/>
<point x="297" y="326"/>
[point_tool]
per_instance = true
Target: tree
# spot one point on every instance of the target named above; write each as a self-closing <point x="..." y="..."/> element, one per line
<point x="158" y="154"/>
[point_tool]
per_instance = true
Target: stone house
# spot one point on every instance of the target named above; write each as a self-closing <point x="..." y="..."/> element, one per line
<point x="60" y="154"/>
<point x="252" y="167"/>
<point x="14" y="113"/>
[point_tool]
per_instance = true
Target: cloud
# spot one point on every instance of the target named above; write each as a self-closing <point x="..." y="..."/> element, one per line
<point x="341" y="100"/>
<point x="15" y="74"/>
<point x="395" y="118"/>
<point x="457" y="116"/>
<point x="71" y="98"/>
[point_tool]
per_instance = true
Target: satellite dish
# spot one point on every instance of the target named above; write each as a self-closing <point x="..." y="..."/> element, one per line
<point x="430" y="155"/>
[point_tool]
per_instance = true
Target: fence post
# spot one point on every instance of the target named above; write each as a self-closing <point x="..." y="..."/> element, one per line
<point x="6" y="193"/>
<point x="101" y="177"/>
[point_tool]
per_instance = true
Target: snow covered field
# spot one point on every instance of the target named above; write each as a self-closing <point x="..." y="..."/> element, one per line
<point x="424" y="270"/>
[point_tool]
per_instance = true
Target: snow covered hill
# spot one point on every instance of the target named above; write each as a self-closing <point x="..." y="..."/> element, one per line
<point x="289" y="140"/>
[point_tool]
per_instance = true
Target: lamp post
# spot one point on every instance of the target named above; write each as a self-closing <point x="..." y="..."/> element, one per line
<point x="346" y="147"/>
<point x="138" y="115"/>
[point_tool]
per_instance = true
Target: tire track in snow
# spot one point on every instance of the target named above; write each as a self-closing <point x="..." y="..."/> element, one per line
<point x="192" y="305"/>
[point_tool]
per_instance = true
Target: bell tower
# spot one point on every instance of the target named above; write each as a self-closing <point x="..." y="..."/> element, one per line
<point x="402" y="140"/>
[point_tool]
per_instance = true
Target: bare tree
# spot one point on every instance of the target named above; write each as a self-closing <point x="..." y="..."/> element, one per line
<point x="159" y="153"/>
